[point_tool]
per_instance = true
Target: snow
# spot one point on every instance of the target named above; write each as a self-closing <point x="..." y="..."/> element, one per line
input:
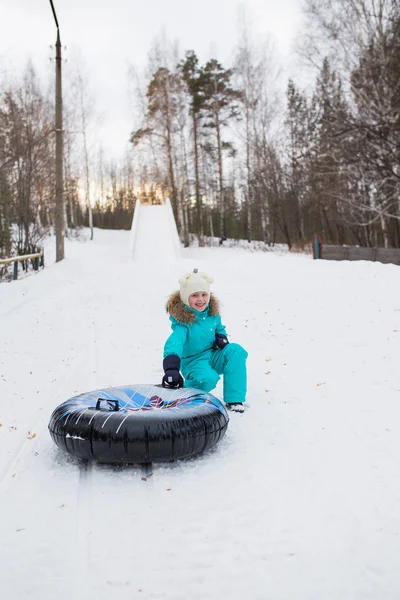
<point x="155" y="239"/>
<point x="300" y="500"/>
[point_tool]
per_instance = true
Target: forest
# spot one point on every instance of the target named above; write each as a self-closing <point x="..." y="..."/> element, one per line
<point x="240" y="152"/>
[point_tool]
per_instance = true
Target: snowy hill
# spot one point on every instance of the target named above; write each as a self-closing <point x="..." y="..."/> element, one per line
<point x="300" y="501"/>
<point x="154" y="236"/>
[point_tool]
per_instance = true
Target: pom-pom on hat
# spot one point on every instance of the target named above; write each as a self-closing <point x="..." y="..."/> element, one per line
<point x="192" y="283"/>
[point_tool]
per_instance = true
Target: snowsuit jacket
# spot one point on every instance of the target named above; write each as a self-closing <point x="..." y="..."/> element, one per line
<point x="193" y="332"/>
<point x="193" y="340"/>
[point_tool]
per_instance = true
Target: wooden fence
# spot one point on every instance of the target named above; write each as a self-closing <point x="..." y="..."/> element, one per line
<point x="36" y="259"/>
<point x="328" y="252"/>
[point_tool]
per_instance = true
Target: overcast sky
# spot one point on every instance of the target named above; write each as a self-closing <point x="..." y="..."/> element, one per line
<point x="111" y="34"/>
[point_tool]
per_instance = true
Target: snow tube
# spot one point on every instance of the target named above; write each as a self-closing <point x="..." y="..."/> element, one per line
<point x="138" y="424"/>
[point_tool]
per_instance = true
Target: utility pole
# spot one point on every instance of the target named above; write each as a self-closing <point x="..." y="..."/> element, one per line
<point x="60" y="222"/>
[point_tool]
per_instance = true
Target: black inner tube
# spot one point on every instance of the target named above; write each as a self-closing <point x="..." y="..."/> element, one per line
<point x="139" y="424"/>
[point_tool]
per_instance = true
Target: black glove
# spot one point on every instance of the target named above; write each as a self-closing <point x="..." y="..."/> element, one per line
<point x="221" y="340"/>
<point x="172" y="378"/>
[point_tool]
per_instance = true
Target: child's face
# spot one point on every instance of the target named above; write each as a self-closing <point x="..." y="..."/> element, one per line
<point x="199" y="301"/>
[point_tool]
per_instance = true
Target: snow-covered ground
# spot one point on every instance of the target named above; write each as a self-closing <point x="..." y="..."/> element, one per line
<point x="301" y="499"/>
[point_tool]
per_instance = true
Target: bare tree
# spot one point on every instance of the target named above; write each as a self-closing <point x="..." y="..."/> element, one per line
<point x="81" y="86"/>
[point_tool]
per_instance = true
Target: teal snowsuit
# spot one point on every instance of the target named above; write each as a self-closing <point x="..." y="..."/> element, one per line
<point x="193" y="340"/>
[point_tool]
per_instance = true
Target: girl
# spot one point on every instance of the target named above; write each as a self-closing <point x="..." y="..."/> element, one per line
<point x="198" y="345"/>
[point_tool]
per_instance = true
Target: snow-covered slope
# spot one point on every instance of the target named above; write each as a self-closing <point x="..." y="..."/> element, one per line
<point x="154" y="237"/>
<point x="300" y="501"/>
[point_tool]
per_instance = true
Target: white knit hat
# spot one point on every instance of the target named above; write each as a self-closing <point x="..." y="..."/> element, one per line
<point x="192" y="283"/>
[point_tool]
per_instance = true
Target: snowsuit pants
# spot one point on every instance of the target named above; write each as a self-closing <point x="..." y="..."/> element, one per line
<point x="203" y="370"/>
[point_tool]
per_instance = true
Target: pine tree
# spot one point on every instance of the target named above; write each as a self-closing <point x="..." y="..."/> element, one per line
<point x="297" y="146"/>
<point x="328" y="151"/>
<point x="193" y="77"/>
<point x="161" y="114"/>
<point x="220" y="107"/>
<point x="376" y="89"/>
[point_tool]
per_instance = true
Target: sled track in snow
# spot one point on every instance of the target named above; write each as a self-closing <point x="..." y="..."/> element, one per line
<point x="25" y="452"/>
<point x="26" y="448"/>
<point x="90" y="508"/>
<point x="84" y="523"/>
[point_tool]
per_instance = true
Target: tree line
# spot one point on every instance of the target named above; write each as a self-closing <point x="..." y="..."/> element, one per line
<point x="239" y="163"/>
<point x="237" y="156"/>
<point x="97" y="191"/>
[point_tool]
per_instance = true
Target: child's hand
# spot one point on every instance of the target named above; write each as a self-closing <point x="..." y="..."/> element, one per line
<point x="172" y="377"/>
<point x="221" y="340"/>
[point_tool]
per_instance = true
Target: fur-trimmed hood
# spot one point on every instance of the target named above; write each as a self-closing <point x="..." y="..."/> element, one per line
<point x="183" y="314"/>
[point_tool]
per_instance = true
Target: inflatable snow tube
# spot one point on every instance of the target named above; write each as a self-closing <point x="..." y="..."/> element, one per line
<point x="138" y="424"/>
